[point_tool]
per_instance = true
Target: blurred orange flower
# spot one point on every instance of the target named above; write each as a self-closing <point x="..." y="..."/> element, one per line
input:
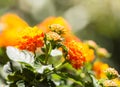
<point x="17" y="33"/>
<point x="9" y="25"/>
<point x="78" y="53"/>
<point x="99" y="68"/>
<point x="54" y="20"/>
<point x="58" y="20"/>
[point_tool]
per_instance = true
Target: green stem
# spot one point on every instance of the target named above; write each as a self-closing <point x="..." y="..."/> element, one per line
<point x="46" y="59"/>
<point x="78" y="82"/>
<point x="60" y="64"/>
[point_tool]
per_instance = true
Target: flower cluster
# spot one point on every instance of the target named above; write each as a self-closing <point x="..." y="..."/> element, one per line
<point x="78" y="53"/>
<point x="42" y="56"/>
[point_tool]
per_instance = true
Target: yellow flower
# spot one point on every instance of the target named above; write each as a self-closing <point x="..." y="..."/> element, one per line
<point x="99" y="68"/>
<point x="117" y="80"/>
<point x="78" y="53"/>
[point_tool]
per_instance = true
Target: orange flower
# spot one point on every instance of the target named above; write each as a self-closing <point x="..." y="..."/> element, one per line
<point x="25" y="39"/>
<point x="78" y="53"/>
<point x="10" y="23"/>
<point x="69" y="37"/>
<point x="15" y="33"/>
<point x="31" y="38"/>
<point x="99" y="68"/>
<point x="45" y="24"/>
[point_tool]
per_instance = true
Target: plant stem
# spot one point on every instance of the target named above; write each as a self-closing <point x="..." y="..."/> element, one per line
<point x="46" y="59"/>
<point x="60" y="64"/>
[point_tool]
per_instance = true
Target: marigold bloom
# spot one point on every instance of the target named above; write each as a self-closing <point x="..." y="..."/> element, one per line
<point x="78" y="53"/>
<point x="99" y="68"/>
<point x="11" y="24"/>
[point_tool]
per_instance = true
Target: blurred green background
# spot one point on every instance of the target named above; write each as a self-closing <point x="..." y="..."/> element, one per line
<point x="98" y="20"/>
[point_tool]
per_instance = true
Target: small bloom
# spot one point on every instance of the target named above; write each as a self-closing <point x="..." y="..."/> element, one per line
<point x="111" y="73"/>
<point x="78" y="53"/>
<point x="57" y="28"/>
<point x="53" y="36"/>
<point x="99" y="68"/>
<point x="109" y="83"/>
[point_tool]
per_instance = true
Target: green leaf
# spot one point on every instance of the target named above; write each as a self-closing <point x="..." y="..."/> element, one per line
<point x="28" y="74"/>
<point x="15" y="77"/>
<point x="74" y="78"/>
<point x="25" y="75"/>
<point x="40" y="59"/>
<point x="95" y="81"/>
<point x="28" y="66"/>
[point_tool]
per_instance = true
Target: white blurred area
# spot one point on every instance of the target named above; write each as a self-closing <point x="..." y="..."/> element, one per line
<point x="39" y="9"/>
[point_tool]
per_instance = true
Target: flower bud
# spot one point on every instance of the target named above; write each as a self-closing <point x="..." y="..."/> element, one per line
<point x="57" y="28"/>
<point x="103" y="53"/>
<point x="111" y="73"/>
<point x="53" y="36"/>
<point x="91" y="44"/>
